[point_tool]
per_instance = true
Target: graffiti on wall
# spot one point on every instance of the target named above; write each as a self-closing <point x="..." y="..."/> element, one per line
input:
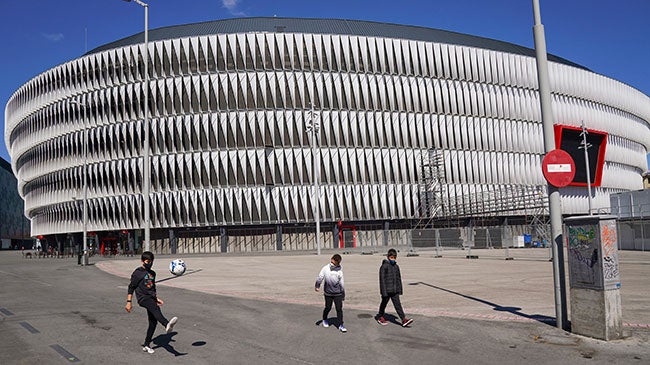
<point x="584" y="265"/>
<point x="610" y="252"/>
<point x="581" y="236"/>
<point x="593" y="255"/>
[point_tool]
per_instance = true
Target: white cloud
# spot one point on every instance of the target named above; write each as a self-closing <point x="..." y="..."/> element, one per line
<point x="54" y="37"/>
<point x="230" y="4"/>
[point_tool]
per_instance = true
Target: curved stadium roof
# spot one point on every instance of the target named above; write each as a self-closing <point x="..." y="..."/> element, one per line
<point x="326" y="26"/>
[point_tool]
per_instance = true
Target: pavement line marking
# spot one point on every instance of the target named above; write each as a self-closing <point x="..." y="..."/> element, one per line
<point x="6" y="312"/>
<point x="63" y="352"/>
<point x="637" y="325"/>
<point x="29" y="327"/>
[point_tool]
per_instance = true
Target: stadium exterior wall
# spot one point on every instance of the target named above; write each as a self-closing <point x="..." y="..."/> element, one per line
<point x="229" y="139"/>
<point x="14" y="226"/>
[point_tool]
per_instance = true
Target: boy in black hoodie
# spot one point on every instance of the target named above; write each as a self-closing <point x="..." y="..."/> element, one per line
<point x="143" y="283"/>
<point x="390" y="287"/>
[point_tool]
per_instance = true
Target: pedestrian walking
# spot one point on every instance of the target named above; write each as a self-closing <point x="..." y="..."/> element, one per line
<point x="143" y="283"/>
<point x="390" y="288"/>
<point x="333" y="290"/>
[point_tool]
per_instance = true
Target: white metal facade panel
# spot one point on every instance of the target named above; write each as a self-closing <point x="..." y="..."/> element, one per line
<point x="229" y="137"/>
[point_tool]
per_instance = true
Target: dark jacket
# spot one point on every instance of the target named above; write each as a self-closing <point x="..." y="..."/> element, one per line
<point x="143" y="283"/>
<point x="390" y="279"/>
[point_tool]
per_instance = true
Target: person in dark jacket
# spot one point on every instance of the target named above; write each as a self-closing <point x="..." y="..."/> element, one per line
<point x="143" y="283"/>
<point x="390" y="287"/>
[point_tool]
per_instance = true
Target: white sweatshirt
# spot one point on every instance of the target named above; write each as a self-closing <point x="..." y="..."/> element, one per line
<point x="333" y="277"/>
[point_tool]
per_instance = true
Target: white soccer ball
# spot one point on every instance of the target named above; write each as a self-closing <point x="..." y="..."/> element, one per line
<point x="177" y="267"/>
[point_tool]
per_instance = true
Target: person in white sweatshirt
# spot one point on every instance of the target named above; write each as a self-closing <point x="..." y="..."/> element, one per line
<point x="333" y="290"/>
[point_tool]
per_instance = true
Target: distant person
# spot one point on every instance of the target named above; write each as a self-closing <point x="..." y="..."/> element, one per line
<point x="390" y="287"/>
<point x="333" y="290"/>
<point x="143" y="283"/>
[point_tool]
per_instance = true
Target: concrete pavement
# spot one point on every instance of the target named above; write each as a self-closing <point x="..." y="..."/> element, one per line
<point x="489" y="288"/>
<point x="261" y="309"/>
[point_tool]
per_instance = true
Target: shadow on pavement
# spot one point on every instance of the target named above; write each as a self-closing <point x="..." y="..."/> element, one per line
<point x="164" y="341"/>
<point x="174" y="277"/>
<point x="496" y="307"/>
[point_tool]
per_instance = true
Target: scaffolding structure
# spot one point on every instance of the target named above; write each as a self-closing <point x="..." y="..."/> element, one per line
<point x="439" y="207"/>
<point x="432" y="180"/>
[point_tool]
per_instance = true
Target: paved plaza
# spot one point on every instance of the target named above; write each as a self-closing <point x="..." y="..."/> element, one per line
<point x="488" y="288"/>
<point x="261" y="308"/>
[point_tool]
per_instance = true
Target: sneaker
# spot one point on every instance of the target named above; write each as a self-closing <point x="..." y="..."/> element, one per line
<point x="325" y="323"/>
<point x="342" y="328"/>
<point x="170" y="325"/>
<point x="382" y="321"/>
<point x="147" y="349"/>
<point x="406" y="321"/>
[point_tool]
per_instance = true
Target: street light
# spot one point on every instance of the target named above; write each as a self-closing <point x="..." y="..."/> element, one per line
<point x="84" y="258"/>
<point x="313" y="126"/>
<point x="554" y="201"/>
<point x="146" y="179"/>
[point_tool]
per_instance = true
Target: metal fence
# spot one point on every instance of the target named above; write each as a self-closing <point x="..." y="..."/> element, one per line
<point x="632" y="212"/>
<point x="634" y="234"/>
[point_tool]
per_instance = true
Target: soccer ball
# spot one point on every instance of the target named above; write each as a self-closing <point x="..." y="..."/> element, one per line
<point x="177" y="267"/>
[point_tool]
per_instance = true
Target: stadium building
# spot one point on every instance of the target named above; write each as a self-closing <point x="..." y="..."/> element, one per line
<point x="14" y="227"/>
<point x="414" y="127"/>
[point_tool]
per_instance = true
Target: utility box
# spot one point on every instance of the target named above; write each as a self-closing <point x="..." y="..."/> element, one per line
<point x="594" y="278"/>
<point x="518" y="242"/>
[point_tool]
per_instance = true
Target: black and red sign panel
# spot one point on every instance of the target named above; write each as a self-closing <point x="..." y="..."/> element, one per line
<point x="569" y="139"/>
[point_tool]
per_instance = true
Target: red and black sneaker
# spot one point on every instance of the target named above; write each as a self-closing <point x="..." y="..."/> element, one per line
<point x="406" y="321"/>
<point x="382" y="321"/>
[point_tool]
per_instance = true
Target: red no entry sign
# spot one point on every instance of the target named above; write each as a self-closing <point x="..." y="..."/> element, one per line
<point x="559" y="168"/>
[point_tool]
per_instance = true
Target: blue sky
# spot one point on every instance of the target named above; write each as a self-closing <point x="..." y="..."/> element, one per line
<point x="609" y="37"/>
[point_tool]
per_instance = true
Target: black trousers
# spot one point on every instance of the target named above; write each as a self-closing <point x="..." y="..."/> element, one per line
<point x="338" y="303"/>
<point x="155" y="315"/>
<point x="396" y="303"/>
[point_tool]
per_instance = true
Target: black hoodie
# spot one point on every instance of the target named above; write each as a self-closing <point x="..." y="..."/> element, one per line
<point x="143" y="282"/>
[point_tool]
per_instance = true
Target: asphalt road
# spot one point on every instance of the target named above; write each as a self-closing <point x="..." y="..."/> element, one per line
<point x="55" y="312"/>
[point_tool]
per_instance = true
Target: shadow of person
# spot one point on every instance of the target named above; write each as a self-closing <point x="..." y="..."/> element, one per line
<point x="332" y="321"/>
<point x="392" y="319"/>
<point x="164" y="341"/>
<point x="496" y="307"/>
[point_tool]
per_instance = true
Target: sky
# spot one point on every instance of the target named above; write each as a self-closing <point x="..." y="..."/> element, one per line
<point x="608" y="37"/>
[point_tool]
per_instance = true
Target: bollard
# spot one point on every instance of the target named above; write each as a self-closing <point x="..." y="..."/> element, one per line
<point x="438" y="254"/>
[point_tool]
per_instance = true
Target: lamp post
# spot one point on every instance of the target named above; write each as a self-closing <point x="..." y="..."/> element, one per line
<point x="555" y="207"/>
<point x="313" y="126"/>
<point x="84" y="258"/>
<point x="146" y="179"/>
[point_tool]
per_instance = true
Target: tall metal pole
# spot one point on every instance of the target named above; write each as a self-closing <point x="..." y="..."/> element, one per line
<point x="317" y="171"/>
<point x="84" y="257"/>
<point x="314" y="126"/>
<point x="147" y="163"/>
<point x="586" y="146"/>
<point x="146" y="178"/>
<point x="555" y="208"/>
